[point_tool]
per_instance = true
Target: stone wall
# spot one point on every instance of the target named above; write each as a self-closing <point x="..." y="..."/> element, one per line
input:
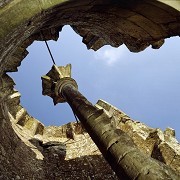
<point x="137" y="24"/>
<point x="160" y="145"/>
<point x="28" y="150"/>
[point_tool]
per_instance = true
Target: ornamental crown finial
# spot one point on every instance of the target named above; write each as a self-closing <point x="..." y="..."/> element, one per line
<point x="54" y="80"/>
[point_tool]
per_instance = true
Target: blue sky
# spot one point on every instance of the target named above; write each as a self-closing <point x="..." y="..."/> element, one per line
<point x="144" y="85"/>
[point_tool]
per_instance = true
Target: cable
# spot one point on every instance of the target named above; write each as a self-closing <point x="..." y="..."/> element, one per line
<point x="55" y="63"/>
<point x="77" y="120"/>
<point x="48" y="48"/>
<point x="50" y="52"/>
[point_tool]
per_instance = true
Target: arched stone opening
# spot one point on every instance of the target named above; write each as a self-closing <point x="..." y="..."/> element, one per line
<point x="99" y="23"/>
<point x="136" y="24"/>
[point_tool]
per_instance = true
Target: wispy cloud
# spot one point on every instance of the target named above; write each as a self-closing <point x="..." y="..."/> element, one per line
<point x="110" y="55"/>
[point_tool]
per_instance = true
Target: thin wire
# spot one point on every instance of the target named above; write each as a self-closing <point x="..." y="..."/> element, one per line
<point x="48" y="48"/>
<point x="77" y="120"/>
<point x="50" y="52"/>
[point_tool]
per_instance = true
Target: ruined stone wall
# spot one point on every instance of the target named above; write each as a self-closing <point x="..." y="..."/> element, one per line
<point x="137" y="24"/>
<point x="17" y="160"/>
<point x="28" y="150"/>
<point x="160" y="145"/>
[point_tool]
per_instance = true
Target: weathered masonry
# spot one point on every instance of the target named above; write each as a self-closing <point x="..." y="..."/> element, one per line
<point x="28" y="149"/>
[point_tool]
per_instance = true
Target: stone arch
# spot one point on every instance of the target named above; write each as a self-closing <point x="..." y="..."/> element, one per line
<point x="137" y="24"/>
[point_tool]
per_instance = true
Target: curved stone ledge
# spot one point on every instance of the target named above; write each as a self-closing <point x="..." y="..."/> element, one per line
<point x="54" y="150"/>
<point x="136" y="24"/>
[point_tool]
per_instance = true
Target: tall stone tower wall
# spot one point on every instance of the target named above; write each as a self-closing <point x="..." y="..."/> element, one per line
<point x="28" y="149"/>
